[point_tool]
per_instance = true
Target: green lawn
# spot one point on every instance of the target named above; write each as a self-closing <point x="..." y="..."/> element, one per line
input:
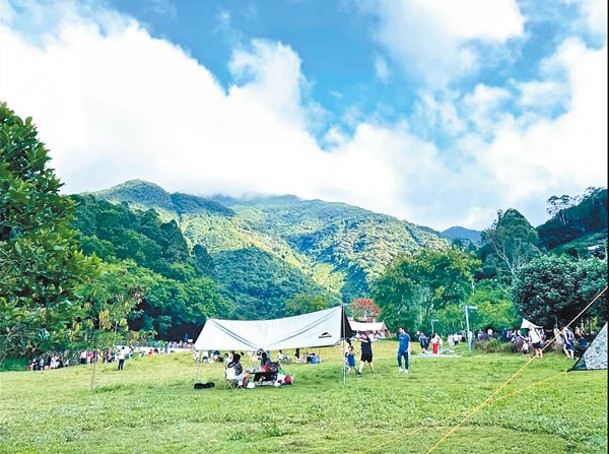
<point x="151" y="407"/>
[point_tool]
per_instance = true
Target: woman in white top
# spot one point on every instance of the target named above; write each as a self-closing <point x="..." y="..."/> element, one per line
<point x="536" y="342"/>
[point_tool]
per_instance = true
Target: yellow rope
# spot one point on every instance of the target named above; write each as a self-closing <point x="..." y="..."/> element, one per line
<point x="518" y="372"/>
<point x="436" y="423"/>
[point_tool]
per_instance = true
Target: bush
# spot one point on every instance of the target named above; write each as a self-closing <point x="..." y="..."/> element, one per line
<point x="492" y="346"/>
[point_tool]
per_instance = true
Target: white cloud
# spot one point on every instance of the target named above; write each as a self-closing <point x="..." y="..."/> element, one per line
<point x="595" y="15"/>
<point x="482" y="106"/>
<point x="113" y="103"/>
<point x="430" y="39"/>
<point x="539" y="94"/>
<point x="381" y="69"/>
<point x="565" y="154"/>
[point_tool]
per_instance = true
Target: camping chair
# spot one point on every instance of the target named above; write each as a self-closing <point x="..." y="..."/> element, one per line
<point x="230" y="379"/>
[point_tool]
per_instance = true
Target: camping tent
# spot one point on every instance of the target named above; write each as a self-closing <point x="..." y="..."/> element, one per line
<point x="595" y="356"/>
<point x="317" y="329"/>
<point x="367" y="326"/>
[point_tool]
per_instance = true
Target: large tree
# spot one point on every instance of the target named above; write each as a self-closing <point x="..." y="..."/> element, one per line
<point x="415" y="286"/>
<point x="509" y="243"/>
<point x="554" y="289"/>
<point x="40" y="265"/>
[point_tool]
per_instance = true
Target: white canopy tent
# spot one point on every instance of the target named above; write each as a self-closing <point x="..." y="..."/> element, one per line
<point x="317" y="329"/>
<point x="369" y="326"/>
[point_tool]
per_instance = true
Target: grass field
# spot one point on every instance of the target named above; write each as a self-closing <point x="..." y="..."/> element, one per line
<point x="151" y="407"/>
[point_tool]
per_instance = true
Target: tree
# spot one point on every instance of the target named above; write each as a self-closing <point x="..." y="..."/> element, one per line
<point x="362" y="308"/>
<point x="40" y="265"/>
<point x="415" y="286"/>
<point x="108" y="301"/>
<point x="304" y="304"/>
<point x="554" y="289"/>
<point x="510" y="242"/>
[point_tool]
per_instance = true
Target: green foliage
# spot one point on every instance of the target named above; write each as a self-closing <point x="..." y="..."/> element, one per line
<point x="574" y="217"/>
<point x="492" y="346"/>
<point x="114" y="232"/>
<point x="304" y="304"/>
<point x="108" y="300"/>
<point x="495" y="308"/>
<point x="508" y="244"/>
<point x="169" y="290"/>
<point x="414" y="287"/>
<point x="259" y="284"/>
<point x="554" y="289"/>
<point x="344" y="248"/>
<point x="40" y="265"/>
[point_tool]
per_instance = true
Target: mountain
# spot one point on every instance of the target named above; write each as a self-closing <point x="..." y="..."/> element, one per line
<point x="334" y="247"/>
<point x="463" y="234"/>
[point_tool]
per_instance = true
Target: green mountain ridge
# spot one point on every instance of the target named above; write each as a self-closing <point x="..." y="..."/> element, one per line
<point x="340" y="247"/>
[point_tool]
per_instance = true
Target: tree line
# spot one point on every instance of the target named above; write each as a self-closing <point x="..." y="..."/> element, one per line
<point x="79" y="271"/>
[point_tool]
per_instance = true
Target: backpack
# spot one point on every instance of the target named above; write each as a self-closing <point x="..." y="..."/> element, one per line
<point x="273" y="367"/>
<point x="204" y="385"/>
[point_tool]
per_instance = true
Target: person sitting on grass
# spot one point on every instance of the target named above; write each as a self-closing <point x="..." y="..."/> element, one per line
<point x="240" y="376"/>
<point x="265" y="361"/>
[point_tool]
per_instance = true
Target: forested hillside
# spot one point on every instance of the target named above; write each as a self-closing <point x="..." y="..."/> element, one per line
<point x="339" y="247"/>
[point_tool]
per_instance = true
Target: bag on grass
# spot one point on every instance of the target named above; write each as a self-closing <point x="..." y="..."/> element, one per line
<point x="204" y="385"/>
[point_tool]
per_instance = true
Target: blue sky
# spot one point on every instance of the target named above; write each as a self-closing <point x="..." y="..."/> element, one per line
<point x="439" y="112"/>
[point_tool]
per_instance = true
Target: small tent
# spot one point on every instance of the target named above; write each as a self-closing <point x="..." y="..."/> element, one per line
<point x="316" y="329"/>
<point x="595" y="356"/>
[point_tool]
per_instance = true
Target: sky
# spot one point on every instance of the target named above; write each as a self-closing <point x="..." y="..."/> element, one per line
<point x="439" y="112"/>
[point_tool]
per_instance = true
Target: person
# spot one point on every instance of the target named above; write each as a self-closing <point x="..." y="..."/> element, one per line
<point x="423" y="341"/>
<point x="536" y="342"/>
<point x="265" y="361"/>
<point x="121" y="358"/>
<point x="350" y="359"/>
<point x="366" y="357"/>
<point x="435" y="343"/>
<point x="283" y="357"/>
<point x="403" y="349"/>
<point x="568" y="342"/>
<point x="240" y="376"/>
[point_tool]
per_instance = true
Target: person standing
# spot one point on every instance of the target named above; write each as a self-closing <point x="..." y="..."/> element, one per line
<point x="435" y="343"/>
<point x="366" y="347"/>
<point x="423" y="341"/>
<point x="350" y="359"/>
<point x="121" y="358"/>
<point x="403" y="349"/>
<point x="536" y="342"/>
<point x="568" y="342"/>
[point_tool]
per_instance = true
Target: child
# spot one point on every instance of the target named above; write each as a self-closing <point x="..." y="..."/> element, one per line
<point x="350" y="359"/>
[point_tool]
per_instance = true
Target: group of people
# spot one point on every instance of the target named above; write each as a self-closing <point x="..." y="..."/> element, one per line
<point x="366" y="357"/>
<point x="535" y="341"/>
<point x="267" y="372"/>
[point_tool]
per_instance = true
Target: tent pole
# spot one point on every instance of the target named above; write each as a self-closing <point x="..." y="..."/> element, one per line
<point x="344" y="332"/>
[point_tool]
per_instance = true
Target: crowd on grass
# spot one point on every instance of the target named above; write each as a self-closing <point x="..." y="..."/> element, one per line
<point x="117" y="354"/>
<point x="532" y="341"/>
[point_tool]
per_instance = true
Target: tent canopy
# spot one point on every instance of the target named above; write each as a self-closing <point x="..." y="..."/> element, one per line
<point x="366" y="326"/>
<point x="528" y="325"/>
<point x="595" y="356"/>
<point x="317" y="329"/>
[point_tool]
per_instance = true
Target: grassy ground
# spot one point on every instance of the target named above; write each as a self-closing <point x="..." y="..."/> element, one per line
<point x="151" y="407"/>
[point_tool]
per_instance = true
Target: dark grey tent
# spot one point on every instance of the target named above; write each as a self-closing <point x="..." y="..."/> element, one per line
<point x="595" y="356"/>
